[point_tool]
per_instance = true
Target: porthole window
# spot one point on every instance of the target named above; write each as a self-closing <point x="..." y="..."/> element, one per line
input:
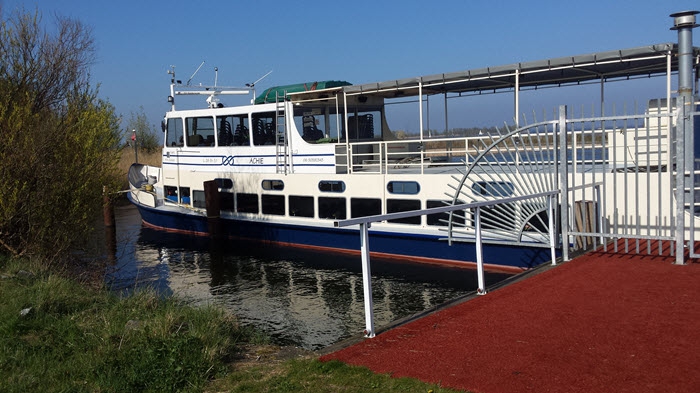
<point x="224" y="184"/>
<point x="493" y="188"/>
<point x="403" y="187"/>
<point x="273" y="185"/>
<point x="331" y="186"/>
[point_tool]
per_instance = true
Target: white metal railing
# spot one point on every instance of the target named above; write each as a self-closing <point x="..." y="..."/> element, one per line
<point x="365" y="223"/>
<point x="618" y="172"/>
<point x="391" y="156"/>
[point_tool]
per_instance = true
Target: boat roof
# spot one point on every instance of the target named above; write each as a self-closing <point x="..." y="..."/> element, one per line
<point x="643" y="61"/>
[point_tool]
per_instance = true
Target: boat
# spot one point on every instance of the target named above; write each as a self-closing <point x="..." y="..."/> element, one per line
<point x="287" y="167"/>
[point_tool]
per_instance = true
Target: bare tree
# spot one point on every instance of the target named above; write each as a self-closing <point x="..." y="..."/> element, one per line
<point x="59" y="141"/>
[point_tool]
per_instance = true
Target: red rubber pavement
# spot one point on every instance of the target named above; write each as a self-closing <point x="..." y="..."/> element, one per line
<point x="602" y="322"/>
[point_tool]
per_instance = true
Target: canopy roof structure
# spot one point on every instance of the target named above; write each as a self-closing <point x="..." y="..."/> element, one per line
<point x="619" y="64"/>
<point x="646" y="61"/>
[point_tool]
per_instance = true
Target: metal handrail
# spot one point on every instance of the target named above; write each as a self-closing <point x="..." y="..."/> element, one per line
<point x="365" y="223"/>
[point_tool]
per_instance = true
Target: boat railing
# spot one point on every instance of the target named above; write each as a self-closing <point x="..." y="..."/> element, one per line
<point x="603" y="144"/>
<point x="477" y="207"/>
<point x="413" y="154"/>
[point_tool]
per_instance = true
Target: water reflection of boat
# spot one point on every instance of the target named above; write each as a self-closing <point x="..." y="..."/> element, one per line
<point x="298" y="297"/>
<point x="284" y="169"/>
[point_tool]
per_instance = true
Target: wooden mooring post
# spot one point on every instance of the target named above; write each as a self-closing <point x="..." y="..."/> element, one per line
<point x="212" y="201"/>
<point x="107" y="207"/>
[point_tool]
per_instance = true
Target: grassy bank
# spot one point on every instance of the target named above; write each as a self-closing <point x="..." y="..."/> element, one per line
<point x="57" y="335"/>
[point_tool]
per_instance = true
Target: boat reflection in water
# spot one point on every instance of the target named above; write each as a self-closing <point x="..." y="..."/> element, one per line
<point x="299" y="298"/>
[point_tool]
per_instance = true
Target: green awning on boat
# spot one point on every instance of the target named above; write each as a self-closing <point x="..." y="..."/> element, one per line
<point x="271" y="94"/>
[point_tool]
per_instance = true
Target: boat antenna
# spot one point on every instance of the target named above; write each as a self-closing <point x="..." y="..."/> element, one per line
<point x="216" y="75"/>
<point x="252" y="85"/>
<point x="195" y="73"/>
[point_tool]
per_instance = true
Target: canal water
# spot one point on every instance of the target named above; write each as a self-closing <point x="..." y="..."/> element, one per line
<point x="305" y="299"/>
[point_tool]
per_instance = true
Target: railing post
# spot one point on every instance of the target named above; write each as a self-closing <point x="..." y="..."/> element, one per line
<point x="600" y="211"/>
<point x="563" y="184"/>
<point x="479" y="253"/>
<point x="552" y="231"/>
<point x="367" y="280"/>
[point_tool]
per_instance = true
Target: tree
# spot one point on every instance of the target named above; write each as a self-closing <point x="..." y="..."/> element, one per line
<point x="147" y="137"/>
<point x="59" y="141"/>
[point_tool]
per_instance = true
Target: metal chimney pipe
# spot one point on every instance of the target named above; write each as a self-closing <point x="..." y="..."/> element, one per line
<point x="684" y="23"/>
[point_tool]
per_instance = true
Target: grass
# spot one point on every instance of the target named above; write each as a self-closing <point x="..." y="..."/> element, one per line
<point x="57" y="335"/>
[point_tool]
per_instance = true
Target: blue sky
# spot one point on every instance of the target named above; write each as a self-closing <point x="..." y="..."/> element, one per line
<point x="359" y="41"/>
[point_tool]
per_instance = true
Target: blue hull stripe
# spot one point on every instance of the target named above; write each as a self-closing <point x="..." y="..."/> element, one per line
<point x="402" y="246"/>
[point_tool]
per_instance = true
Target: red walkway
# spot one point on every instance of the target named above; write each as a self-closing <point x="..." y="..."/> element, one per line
<point x="600" y="323"/>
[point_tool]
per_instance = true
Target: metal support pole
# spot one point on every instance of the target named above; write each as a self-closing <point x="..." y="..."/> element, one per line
<point x="420" y="109"/>
<point x="479" y="253"/>
<point x="367" y="280"/>
<point x="684" y="22"/>
<point x="680" y="190"/>
<point x="516" y="115"/>
<point x="563" y="184"/>
<point x="552" y="231"/>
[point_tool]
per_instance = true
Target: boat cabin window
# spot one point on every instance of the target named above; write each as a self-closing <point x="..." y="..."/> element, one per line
<point x="273" y="204"/>
<point x="226" y="201"/>
<point x="181" y="195"/>
<point x="247" y="203"/>
<point x="233" y="130"/>
<point x="273" y="185"/>
<point x="403" y="187"/>
<point x="403" y="205"/>
<point x="264" y="128"/>
<point x="185" y="195"/>
<point x="199" y="131"/>
<point x="301" y="206"/>
<point x="363" y="207"/>
<point x="317" y="123"/>
<point x="174" y="133"/>
<point x="171" y="193"/>
<point x="331" y="208"/>
<point x="331" y="186"/>
<point x="441" y="219"/>
<point x="198" y="199"/>
<point x="320" y="122"/>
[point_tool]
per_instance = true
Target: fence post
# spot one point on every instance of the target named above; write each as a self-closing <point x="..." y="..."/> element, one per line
<point x="479" y="253"/>
<point x="551" y="200"/>
<point x="563" y="184"/>
<point x="367" y="279"/>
